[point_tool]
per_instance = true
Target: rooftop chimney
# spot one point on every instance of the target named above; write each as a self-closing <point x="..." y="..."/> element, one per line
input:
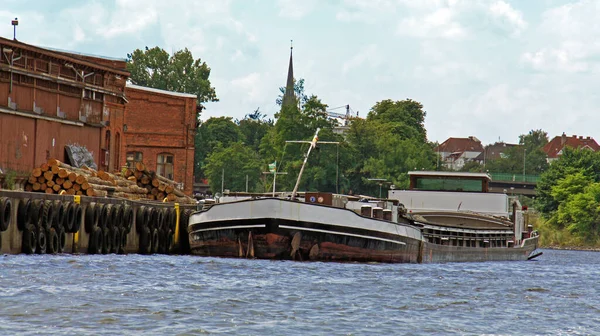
<point x="563" y="138"/>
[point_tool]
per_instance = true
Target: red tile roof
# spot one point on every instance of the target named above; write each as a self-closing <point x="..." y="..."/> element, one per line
<point x="555" y="146"/>
<point x="451" y="145"/>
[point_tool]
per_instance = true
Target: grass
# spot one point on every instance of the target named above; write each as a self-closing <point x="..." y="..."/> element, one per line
<point x="551" y="237"/>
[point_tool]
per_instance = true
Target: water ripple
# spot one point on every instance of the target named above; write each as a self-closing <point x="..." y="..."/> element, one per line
<point x="185" y="295"/>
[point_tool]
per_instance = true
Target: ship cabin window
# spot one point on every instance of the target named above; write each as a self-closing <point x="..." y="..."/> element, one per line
<point x="448" y="184"/>
<point x="164" y="165"/>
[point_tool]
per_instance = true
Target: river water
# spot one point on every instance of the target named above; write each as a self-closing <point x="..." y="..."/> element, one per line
<point x="559" y="294"/>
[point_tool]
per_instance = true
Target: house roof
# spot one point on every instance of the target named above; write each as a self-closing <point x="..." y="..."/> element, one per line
<point x="494" y="151"/>
<point x="453" y="145"/>
<point x="554" y="148"/>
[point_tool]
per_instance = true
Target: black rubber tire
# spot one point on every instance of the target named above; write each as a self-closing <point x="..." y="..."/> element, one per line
<point x="48" y="215"/>
<point x="127" y="218"/>
<point x="96" y="241"/>
<point x="5" y="213"/>
<point x="59" y="215"/>
<point x="90" y="217"/>
<point x="115" y="236"/>
<point x="37" y="213"/>
<point x="159" y="219"/>
<point x="123" y="242"/>
<point x="112" y="217"/>
<point x="155" y="241"/>
<point x="145" y="246"/>
<point x="24" y="213"/>
<point x="52" y="246"/>
<point x="148" y="218"/>
<point x="105" y="216"/>
<point x="29" y="241"/>
<point x="118" y="216"/>
<point x="140" y="219"/>
<point x="106" y="241"/>
<point x="69" y="216"/>
<point x="170" y="245"/>
<point x="161" y="242"/>
<point x="42" y="241"/>
<point x="62" y="240"/>
<point x="76" y="218"/>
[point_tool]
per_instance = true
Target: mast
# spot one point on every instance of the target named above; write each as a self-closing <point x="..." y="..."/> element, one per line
<point x="313" y="143"/>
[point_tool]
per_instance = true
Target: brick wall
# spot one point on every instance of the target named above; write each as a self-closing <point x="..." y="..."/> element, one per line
<point x="161" y="122"/>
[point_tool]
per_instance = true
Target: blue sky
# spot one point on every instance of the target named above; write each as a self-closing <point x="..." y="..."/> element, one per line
<point x="494" y="69"/>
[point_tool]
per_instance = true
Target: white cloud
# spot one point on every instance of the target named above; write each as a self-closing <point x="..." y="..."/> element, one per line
<point x="78" y="34"/>
<point x="294" y="9"/>
<point x="249" y="86"/>
<point x="370" y="55"/>
<point x="506" y="16"/>
<point x="441" y="23"/>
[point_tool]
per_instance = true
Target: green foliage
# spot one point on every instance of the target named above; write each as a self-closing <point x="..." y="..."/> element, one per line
<point x="253" y="128"/>
<point x="528" y="155"/>
<point x="298" y="92"/>
<point x="178" y="72"/>
<point x="236" y="161"/>
<point x="221" y="131"/>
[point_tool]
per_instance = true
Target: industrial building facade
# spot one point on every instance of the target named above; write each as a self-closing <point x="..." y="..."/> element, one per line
<point x="50" y="99"/>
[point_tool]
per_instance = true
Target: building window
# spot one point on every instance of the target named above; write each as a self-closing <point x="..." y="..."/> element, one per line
<point x="164" y="165"/>
<point x="132" y="158"/>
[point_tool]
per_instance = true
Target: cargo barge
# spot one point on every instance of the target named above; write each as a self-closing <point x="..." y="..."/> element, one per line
<point x="328" y="227"/>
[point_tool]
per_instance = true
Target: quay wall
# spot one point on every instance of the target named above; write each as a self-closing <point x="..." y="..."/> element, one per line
<point x="46" y="223"/>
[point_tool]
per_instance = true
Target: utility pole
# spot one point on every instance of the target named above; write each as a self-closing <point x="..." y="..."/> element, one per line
<point x="222" y="181"/>
<point x="15" y="23"/>
<point x="524" y="155"/>
<point x="246" y="183"/>
<point x="381" y="182"/>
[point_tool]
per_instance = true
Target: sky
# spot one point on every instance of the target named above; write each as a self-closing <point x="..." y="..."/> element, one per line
<point x="493" y="69"/>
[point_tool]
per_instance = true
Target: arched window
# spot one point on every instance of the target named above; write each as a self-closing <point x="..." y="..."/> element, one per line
<point x="106" y="158"/>
<point x="164" y="165"/>
<point x="132" y="158"/>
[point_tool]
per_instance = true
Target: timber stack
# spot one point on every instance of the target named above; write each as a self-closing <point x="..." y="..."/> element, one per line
<point x="159" y="187"/>
<point x="55" y="177"/>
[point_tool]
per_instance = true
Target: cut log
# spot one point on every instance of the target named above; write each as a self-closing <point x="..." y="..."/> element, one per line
<point x="36" y="186"/>
<point x="162" y="186"/>
<point x="90" y="192"/>
<point x="71" y="192"/>
<point x="80" y="179"/>
<point x="49" y="191"/>
<point x="97" y="180"/>
<point x="140" y="166"/>
<point x="85" y="186"/>
<point x="54" y="169"/>
<point x="32" y="179"/>
<point x="145" y="180"/>
<point x="171" y="197"/>
<point x="28" y="187"/>
<point x="41" y="179"/>
<point x="56" y="187"/>
<point x="53" y="162"/>
<point x="63" y="173"/>
<point x="48" y="175"/>
<point x="50" y="183"/>
<point x="155" y="182"/>
<point x="43" y="186"/>
<point x="44" y="167"/>
<point x="138" y="174"/>
<point x="59" y="181"/>
<point x="67" y="184"/>
<point x="169" y="189"/>
<point x="72" y="176"/>
<point x="37" y="172"/>
<point x="80" y="193"/>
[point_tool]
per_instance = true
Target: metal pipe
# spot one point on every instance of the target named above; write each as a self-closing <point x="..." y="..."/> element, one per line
<point x="313" y="143"/>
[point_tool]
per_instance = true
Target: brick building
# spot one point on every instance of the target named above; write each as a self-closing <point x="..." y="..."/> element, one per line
<point x="159" y="131"/>
<point x="454" y="153"/>
<point x="49" y="99"/>
<point x="554" y="148"/>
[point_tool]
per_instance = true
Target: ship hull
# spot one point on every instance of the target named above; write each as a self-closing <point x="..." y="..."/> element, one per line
<point x="285" y="230"/>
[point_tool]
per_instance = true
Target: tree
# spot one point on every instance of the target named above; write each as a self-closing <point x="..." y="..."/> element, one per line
<point x="253" y="127"/>
<point x="571" y="161"/>
<point x="298" y="92"/>
<point x="212" y="133"/>
<point x="235" y="162"/>
<point x="179" y="72"/>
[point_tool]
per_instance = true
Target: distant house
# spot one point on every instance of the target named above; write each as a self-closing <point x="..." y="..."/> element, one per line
<point x="554" y="148"/>
<point x="494" y="152"/>
<point x="456" y="152"/>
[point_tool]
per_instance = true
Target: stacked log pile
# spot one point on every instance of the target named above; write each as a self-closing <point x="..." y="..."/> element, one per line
<point x="55" y="177"/>
<point x="159" y="187"/>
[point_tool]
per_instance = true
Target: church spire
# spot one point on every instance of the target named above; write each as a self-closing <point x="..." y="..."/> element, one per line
<point x="289" y="96"/>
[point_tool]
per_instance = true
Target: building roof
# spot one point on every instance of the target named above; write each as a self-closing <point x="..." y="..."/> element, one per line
<point x="165" y="92"/>
<point x="554" y="148"/>
<point x="495" y="151"/>
<point x="452" y="145"/>
<point x="90" y="61"/>
<point x="288" y="96"/>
